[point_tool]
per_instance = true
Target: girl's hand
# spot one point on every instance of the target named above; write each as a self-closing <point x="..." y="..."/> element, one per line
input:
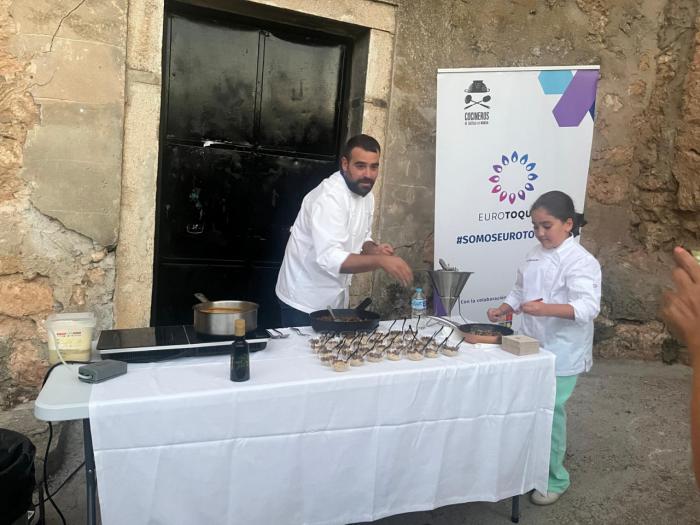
<point x="536" y="308"/>
<point x="496" y="315"/>
<point x="681" y="307"/>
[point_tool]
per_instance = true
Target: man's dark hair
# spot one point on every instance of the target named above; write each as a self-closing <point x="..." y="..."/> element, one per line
<point x="365" y="142"/>
<point x="558" y="204"/>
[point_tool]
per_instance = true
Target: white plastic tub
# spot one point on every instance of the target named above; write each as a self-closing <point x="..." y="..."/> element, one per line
<point x="71" y="334"/>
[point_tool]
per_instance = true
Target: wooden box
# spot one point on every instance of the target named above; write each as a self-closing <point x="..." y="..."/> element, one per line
<point x="520" y="344"/>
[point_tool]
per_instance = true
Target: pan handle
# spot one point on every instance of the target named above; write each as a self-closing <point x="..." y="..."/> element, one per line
<point x="364" y="304"/>
<point x="201" y="297"/>
<point x="444" y="321"/>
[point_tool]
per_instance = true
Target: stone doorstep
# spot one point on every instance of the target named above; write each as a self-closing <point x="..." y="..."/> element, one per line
<point x="21" y="419"/>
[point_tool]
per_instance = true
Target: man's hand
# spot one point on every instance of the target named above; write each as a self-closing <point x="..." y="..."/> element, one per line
<point x="370" y="248"/>
<point x="536" y="308"/>
<point x="681" y="307"/>
<point x="385" y="249"/>
<point x="397" y="268"/>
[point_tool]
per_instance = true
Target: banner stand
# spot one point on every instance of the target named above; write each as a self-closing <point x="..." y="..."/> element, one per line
<point x="504" y="137"/>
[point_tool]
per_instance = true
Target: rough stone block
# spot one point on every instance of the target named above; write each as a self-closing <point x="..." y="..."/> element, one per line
<point x="73" y="162"/>
<point x="361" y="288"/>
<point x="367" y="13"/>
<point x="86" y="72"/>
<point x="379" y="61"/>
<point x="26" y="364"/>
<point x="20" y="297"/>
<point x="145" y="42"/>
<point x="132" y="301"/>
<point x="12" y="237"/>
<point x="374" y="121"/>
<point x="414" y="167"/>
<point x="10" y="264"/>
<point x="89" y="21"/>
<point x="24" y="328"/>
<point x="627" y="300"/>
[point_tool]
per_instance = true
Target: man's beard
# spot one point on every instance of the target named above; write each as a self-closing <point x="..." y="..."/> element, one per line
<point x="354" y="185"/>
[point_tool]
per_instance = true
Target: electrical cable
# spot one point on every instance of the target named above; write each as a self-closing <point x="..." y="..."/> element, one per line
<point x="49" y="496"/>
<point x="52" y="367"/>
<point x="46" y="483"/>
<point x="68" y="478"/>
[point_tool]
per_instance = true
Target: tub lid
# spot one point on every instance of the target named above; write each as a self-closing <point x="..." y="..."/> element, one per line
<point x="87" y="318"/>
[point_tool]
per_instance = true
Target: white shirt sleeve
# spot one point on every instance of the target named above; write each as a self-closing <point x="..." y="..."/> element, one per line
<point x="329" y="232"/>
<point x="515" y="297"/>
<point x="368" y="235"/>
<point x="583" y="285"/>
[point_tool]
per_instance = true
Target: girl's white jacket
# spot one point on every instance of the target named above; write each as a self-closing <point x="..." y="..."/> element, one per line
<point x="568" y="274"/>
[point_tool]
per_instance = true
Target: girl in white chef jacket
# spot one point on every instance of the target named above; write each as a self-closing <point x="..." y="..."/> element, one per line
<point x="557" y="291"/>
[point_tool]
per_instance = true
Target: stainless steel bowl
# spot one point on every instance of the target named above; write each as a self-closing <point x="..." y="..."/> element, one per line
<point x="217" y="317"/>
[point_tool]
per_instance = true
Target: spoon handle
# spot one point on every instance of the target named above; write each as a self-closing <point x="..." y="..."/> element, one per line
<point x="330" y="311"/>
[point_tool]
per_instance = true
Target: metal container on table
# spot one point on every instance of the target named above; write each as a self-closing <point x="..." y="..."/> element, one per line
<point x="216" y="318"/>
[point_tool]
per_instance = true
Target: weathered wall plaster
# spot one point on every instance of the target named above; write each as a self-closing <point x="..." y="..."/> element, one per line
<point x="643" y="185"/>
<point x="61" y="112"/>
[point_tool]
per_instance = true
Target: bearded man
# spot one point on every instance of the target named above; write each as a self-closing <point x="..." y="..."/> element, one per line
<point x="331" y="239"/>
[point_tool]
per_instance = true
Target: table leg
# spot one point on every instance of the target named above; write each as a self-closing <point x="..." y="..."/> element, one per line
<point x="515" y="509"/>
<point x="90" y="476"/>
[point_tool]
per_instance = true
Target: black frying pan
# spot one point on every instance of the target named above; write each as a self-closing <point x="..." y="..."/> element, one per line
<point x="321" y="320"/>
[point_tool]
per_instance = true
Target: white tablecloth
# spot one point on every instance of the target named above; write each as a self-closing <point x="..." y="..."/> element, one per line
<point x="179" y="443"/>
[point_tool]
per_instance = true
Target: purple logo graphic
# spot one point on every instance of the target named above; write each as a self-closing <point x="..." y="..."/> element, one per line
<point x="513" y="177"/>
<point x="577" y="92"/>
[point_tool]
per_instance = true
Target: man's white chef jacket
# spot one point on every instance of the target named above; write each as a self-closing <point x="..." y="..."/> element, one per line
<point x="568" y="274"/>
<point x="333" y="223"/>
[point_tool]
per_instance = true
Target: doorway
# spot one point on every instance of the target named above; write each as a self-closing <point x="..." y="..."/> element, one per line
<point x="252" y="119"/>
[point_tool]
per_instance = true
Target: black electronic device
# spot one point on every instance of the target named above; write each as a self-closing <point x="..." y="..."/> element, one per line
<point x="101" y="370"/>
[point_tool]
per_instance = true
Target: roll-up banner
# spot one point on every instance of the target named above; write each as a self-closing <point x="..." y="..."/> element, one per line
<point x="504" y="137"/>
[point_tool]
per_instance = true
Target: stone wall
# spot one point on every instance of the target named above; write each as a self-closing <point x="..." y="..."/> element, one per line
<point x="63" y="70"/>
<point x="61" y="126"/>
<point x="373" y="57"/>
<point x="644" y="188"/>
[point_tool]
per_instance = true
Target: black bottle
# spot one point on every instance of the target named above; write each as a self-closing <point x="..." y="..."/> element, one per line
<point x="240" y="357"/>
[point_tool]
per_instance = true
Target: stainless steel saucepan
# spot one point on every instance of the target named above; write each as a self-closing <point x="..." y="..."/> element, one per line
<point x="216" y="318"/>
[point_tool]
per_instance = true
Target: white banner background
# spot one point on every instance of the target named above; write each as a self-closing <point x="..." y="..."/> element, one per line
<point x="482" y="116"/>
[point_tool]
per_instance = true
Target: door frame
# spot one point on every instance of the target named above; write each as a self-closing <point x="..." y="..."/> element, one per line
<point x="371" y="24"/>
<point x="178" y="9"/>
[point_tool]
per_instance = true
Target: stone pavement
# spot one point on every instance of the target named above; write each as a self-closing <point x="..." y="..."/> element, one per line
<point x="629" y="458"/>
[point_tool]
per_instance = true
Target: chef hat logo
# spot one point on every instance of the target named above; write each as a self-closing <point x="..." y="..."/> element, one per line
<point x="477" y="86"/>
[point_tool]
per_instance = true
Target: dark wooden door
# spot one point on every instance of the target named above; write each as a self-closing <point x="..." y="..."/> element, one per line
<point x="251" y="121"/>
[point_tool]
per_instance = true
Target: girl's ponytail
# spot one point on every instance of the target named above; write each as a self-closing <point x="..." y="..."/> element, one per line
<point x="579" y="222"/>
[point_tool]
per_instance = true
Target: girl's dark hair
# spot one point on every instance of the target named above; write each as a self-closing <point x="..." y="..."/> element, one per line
<point x="559" y="205"/>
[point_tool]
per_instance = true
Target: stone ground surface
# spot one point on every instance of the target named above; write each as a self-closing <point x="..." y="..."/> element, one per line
<point x="629" y="458"/>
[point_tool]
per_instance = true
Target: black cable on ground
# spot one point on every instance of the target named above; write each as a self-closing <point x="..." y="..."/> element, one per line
<point x="46" y="483"/>
<point x="68" y="478"/>
<point x="49" y="496"/>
